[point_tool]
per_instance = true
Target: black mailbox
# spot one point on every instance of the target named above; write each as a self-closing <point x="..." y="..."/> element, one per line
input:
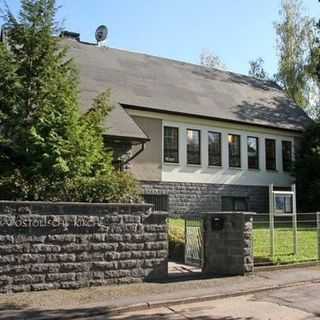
<point x="217" y="223"/>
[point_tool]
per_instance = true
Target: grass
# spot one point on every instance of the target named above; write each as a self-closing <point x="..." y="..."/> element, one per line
<point x="284" y="246"/>
<point x="284" y="249"/>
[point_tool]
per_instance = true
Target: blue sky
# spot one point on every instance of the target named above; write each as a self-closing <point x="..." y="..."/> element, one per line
<point x="236" y="30"/>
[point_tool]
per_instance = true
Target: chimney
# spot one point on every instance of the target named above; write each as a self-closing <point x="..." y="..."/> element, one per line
<point x="70" y="35"/>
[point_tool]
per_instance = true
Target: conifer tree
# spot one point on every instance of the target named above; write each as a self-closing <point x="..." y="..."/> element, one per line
<point x="45" y="141"/>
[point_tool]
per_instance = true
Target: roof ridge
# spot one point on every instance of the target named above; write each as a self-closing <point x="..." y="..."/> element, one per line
<point x="207" y="69"/>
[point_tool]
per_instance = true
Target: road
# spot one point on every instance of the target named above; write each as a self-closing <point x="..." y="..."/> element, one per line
<point x="295" y="303"/>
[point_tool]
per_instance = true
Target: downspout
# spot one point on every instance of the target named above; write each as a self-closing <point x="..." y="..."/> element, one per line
<point x="135" y="155"/>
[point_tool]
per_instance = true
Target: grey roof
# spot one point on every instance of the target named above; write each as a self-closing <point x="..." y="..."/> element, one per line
<point x="167" y="85"/>
<point x="120" y="124"/>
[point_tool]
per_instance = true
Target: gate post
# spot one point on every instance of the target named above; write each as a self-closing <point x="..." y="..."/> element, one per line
<point x="228" y="243"/>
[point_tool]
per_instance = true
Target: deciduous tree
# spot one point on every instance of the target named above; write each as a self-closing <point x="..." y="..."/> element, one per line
<point x="295" y="39"/>
<point x="210" y="60"/>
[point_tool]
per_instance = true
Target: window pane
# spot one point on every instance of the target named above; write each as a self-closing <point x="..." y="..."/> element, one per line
<point x="234" y="204"/>
<point x="270" y="154"/>
<point x="227" y="204"/>
<point x="286" y="155"/>
<point x="171" y="144"/>
<point x="214" y="148"/>
<point x="253" y="153"/>
<point x="240" y="204"/>
<point x="234" y="151"/>
<point x="193" y="146"/>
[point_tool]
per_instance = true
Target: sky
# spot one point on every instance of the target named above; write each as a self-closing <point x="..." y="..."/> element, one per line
<point x="235" y="30"/>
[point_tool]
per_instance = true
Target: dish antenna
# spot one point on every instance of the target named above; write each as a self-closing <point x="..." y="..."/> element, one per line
<point x="101" y="34"/>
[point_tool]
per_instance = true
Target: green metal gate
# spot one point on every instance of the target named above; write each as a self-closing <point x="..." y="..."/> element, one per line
<point x="194" y="241"/>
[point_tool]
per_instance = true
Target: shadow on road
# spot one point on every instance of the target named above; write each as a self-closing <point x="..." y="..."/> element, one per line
<point x="13" y="312"/>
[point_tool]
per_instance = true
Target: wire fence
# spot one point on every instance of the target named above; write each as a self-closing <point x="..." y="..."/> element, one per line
<point x="286" y="242"/>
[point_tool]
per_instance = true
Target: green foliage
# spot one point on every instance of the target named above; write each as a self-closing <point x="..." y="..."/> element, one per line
<point x="176" y="239"/>
<point x="307" y="171"/>
<point x="256" y="69"/>
<point x="295" y="40"/>
<point x="48" y="150"/>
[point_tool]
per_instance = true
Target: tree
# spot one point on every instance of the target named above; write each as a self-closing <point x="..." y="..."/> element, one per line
<point x="295" y="39"/>
<point x="210" y="60"/>
<point x="256" y="69"/>
<point x="307" y="170"/>
<point x="45" y="142"/>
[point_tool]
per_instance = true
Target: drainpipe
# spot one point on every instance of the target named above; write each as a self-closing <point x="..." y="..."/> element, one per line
<point x="135" y="155"/>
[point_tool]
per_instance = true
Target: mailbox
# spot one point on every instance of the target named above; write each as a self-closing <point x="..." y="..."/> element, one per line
<point x="217" y="223"/>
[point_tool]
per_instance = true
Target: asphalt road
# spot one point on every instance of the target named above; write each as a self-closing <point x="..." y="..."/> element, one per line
<point x="296" y="303"/>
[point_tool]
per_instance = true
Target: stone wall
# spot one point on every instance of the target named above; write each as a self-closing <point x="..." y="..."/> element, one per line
<point x="188" y="197"/>
<point x="228" y="243"/>
<point x="69" y="245"/>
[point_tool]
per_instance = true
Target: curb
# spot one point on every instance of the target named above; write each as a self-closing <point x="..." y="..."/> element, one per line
<point x="167" y="303"/>
<point x="258" y="269"/>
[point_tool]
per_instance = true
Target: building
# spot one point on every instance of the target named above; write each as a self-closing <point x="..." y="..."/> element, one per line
<point x="197" y="139"/>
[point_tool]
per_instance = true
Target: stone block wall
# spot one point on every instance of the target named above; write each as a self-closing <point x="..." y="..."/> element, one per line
<point x="187" y="197"/>
<point x="69" y="245"/>
<point x="228" y="243"/>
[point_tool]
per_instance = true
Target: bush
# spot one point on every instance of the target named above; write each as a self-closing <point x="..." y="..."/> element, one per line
<point x="114" y="187"/>
<point x="176" y="239"/>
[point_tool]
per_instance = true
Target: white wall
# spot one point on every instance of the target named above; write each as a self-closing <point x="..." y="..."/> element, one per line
<point x="183" y="172"/>
<point x="222" y="175"/>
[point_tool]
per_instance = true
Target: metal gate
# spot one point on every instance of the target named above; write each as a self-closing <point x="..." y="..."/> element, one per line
<point x="194" y="241"/>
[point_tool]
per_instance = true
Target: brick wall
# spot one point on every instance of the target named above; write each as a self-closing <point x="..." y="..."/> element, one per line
<point x="68" y="245"/>
<point x="188" y="197"/>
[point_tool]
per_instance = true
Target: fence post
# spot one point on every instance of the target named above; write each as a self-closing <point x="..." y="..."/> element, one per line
<point x="271" y="220"/>
<point x="294" y="220"/>
<point x="318" y="233"/>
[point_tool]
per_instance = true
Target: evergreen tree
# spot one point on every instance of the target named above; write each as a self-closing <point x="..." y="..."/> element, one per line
<point x="45" y="143"/>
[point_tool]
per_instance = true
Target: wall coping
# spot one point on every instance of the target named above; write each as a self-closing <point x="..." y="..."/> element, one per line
<point x="113" y="204"/>
<point x="47" y="208"/>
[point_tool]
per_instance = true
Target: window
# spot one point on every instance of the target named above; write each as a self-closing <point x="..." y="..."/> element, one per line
<point x="286" y="155"/>
<point x="234" y="151"/>
<point x="234" y="204"/>
<point x="253" y="153"/>
<point x="214" y="148"/>
<point x="271" y="154"/>
<point x="171" y="144"/>
<point x="193" y="146"/>
<point x="160" y="202"/>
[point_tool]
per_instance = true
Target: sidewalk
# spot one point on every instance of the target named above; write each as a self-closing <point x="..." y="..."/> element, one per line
<point x="88" y="303"/>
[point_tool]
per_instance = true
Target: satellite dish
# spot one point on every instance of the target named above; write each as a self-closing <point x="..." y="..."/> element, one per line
<point x="101" y="33"/>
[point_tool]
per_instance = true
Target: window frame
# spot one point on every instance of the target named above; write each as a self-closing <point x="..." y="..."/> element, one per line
<point x="286" y="164"/>
<point x="273" y="168"/>
<point x="258" y="153"/>
<point x="229" y="153"/>
<point x="219" y="164"/>
<point x="177" y="147"/>
<point x="199" y="152"/>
